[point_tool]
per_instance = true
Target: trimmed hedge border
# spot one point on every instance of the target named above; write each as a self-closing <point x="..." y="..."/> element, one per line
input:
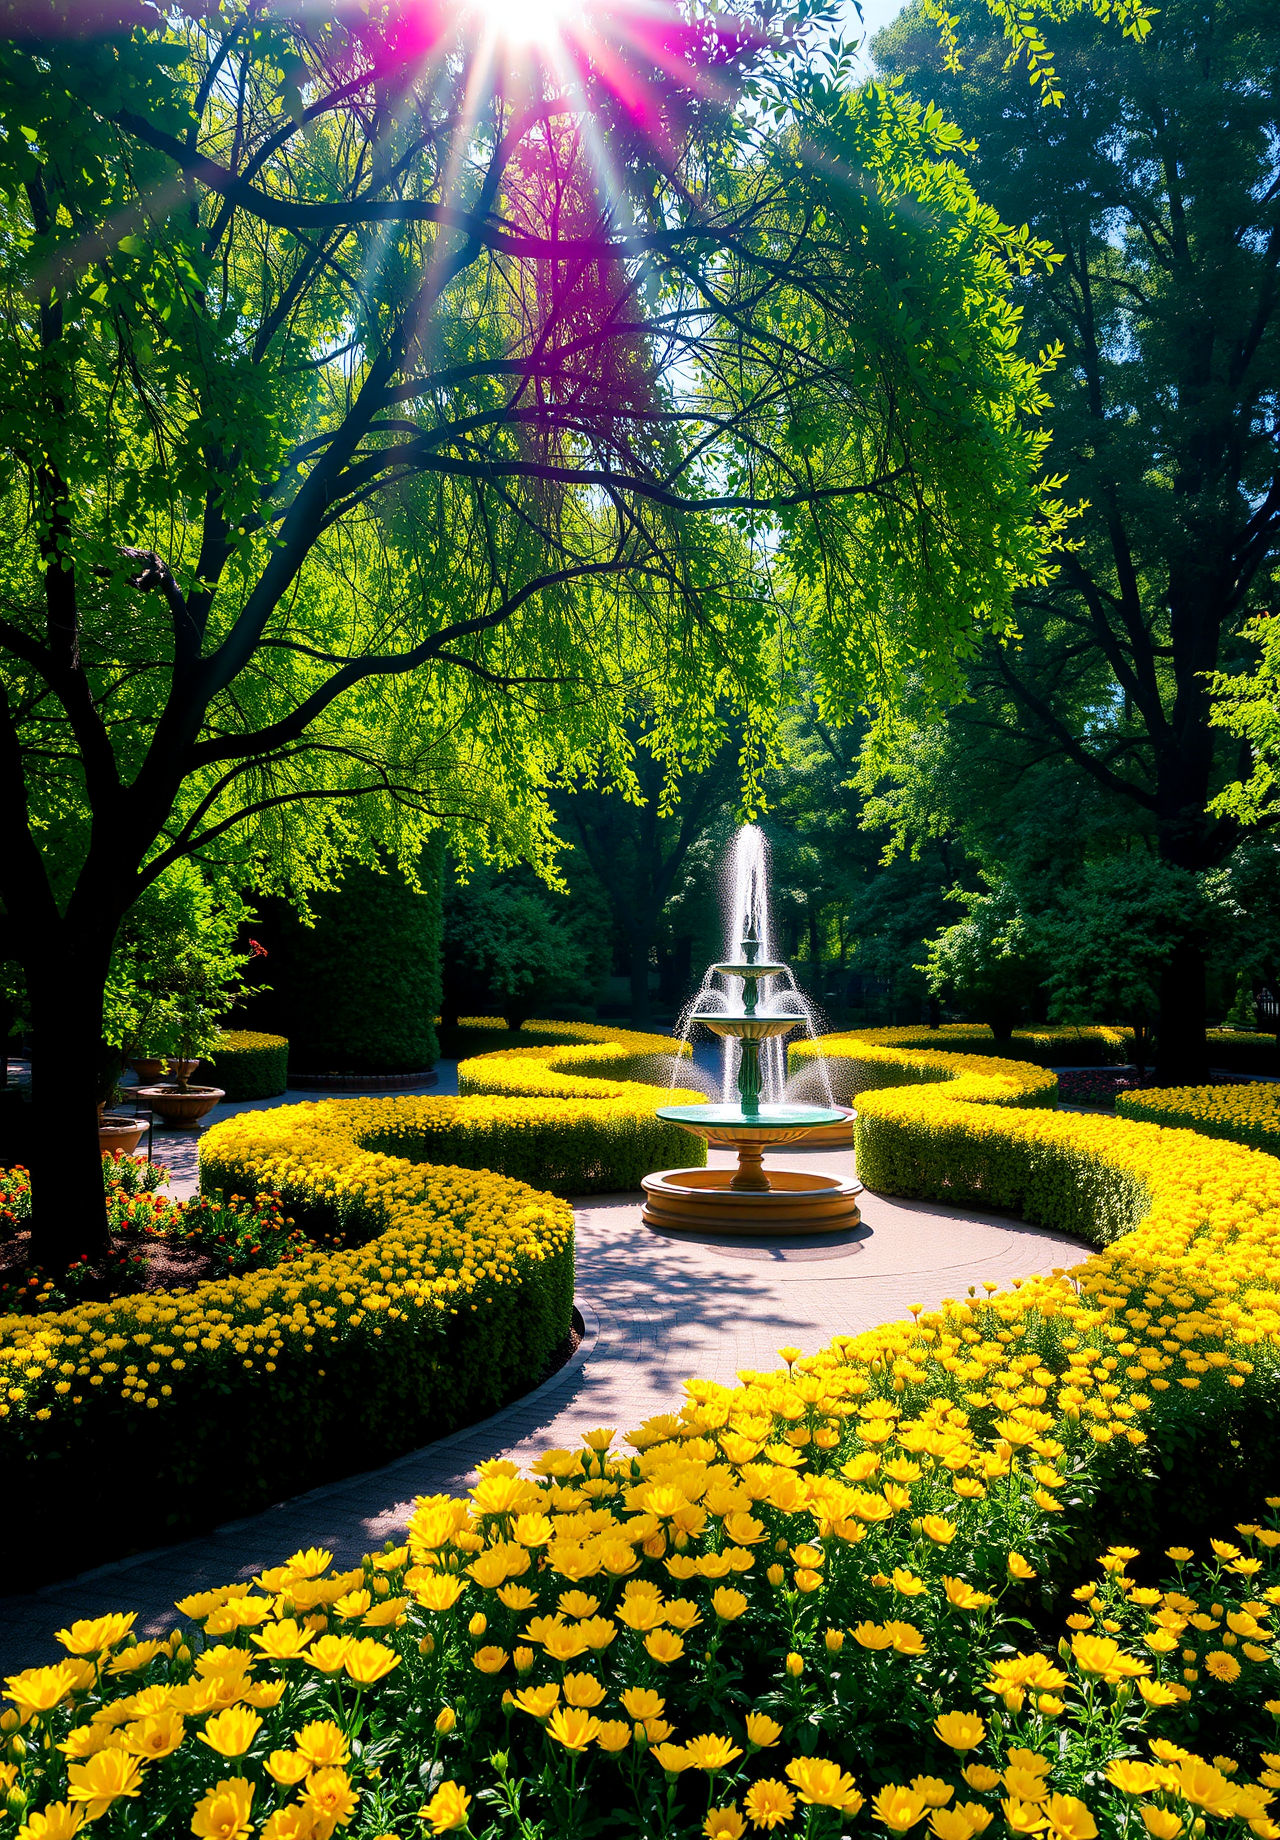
<point x="454" y="1297"/>
<point x="862" y="1062"/>
<point x="1240" y="1114"/>
<point x="1094" y="1046"/>
<point x="247" y="1065"/>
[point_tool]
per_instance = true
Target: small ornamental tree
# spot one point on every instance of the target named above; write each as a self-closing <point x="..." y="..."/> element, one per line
<point x="988" y="962"/>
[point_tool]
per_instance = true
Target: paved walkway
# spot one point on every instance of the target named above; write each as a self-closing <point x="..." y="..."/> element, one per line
<point x="657" y="1310"/>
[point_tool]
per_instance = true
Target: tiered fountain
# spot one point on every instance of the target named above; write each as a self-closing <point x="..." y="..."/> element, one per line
<point x="750" y="1199"/>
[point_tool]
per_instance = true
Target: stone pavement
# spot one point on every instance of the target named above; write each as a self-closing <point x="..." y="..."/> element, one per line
<point x="656" y="1310"/>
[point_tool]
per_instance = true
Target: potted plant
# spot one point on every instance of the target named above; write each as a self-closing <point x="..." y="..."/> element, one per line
<point x="115" y="1130"/>
<point x="192" y="1022"/>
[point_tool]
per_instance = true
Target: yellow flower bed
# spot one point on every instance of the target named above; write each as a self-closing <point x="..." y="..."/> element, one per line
<point x="798" y="1605"/>
<point x="862" y="1062"/>
<point x="1247" y="1114"/>
<point x="167" y="1409"/>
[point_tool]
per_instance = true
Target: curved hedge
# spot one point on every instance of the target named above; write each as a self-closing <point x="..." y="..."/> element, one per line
<point x="1242" y="1114"/>
<point x="127" y="1422"/>
<point x="248" y="1065"/>
<point x="1094" y="1046"/>
<point x="862" y="1062"/>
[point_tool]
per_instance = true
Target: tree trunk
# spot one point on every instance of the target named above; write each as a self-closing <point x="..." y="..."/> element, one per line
<point x="815" y="956"/>
<point x="1181" y="1056"/>
<point x="68" y="1211"/>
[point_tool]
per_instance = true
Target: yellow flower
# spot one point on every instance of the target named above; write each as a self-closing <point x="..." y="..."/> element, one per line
<point x="573" y="1727"/>
<point x="283" y="1641"/>
<point x="564" y="1644"/>
<point x="769" y="1804"/>
<point x="728" y="1606"/>
<point x="724" y="1824"/>
<point x="230" y="1733"/>
<point x="102" y="1780"/>
<point x="712" y="1753"/>
<point x="59" y="1821"/>
<point x="1069" y="1818"/>
<point x="1024" y="1817"/>
<point x="447" y="1808"/>
<point x="795" y="1665"/>
<point x="222" y="1813"/>
<point x="935" y="1792"/>
<point x="368" y="1660"/>
<point x="1018" y="1567"/>
<point x="446" y="1719"/>
<point x="1222" y="1666"/>
<point x="643" y="1703"/>
<point x="1025" y="1785"/>
<point x="156" y="1736"/>
<point x="439" y="1591"/>
<point x="824" y="1785"/>
<point x="962" y="1596"/>
<point x="980" y="1777"/>
<point x="670" y="1757"/>
<point x="940" y="1531"/>
<point x="1130" y="1776"/>
<point x="898" y="1809"/>
<point x="582" y="1690"/>
<point x="287" y="1768"/>
<point x="293" y="1822"/>
<point x="978" y="1817"/>
<point x="38" y="1690"/>
<point x="960" y="1731"/>
<point x="91" y="1637"/>
<point x="330" y="1798"/>
<point x="322" y="1742"/>
<point x="663" y="1646"/>
<point x="1103" y="1658"/>
<point x="949" y="1824"/>
<point x="490" y="1660"/>
<point x="327" y="1653"/>
<point x="614" y="1735"/>
<point x="1161" y="1823"/>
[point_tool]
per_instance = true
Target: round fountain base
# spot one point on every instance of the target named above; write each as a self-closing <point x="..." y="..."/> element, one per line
<point x="704" y="1201"/>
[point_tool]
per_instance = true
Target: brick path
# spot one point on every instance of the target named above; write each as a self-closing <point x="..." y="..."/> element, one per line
<point x="657" y="1310"/>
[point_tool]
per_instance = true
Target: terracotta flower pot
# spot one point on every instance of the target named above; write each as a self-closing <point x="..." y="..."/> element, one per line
<point x="147" y="1070"/>
<point x="115" y="1132"/>
<point x="181" y="1108"/>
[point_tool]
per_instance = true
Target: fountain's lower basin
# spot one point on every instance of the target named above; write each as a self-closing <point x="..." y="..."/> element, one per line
<point x="748" y="1199"/>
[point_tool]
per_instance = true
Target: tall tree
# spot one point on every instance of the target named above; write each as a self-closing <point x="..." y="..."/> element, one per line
<point x="389" y="415"/>
<point x="1158" y="185"/>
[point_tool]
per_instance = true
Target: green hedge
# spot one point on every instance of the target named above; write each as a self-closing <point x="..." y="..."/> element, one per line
<point x="1092" y="1046"/>
<point x="978" y="1164"/>
<point x="1239" y="1053"/>
<point x="97" y="1474"/>
<point x="249" y="1066"/>
<point x="358" y="992"/>
<point x="566" y="1146"/>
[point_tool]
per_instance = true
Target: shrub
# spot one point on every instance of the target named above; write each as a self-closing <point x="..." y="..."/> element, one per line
<point x="1047" y="1045"/>
<point x="268" y="1383"/>
<point x="359" y="991"/>
<point x="249" y="1066"/>
<point x="802" y="1597"/>
<point x="473" y="1035"/>
<point x="1241" y="1053"/>
<point x="1241" y="1114"/>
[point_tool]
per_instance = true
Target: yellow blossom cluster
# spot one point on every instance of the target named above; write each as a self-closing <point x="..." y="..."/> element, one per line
<point x="1246" y="1114"/>
<point x="709" y="1629"/>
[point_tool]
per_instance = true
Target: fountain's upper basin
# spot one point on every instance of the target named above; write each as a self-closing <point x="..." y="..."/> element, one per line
<point x="772" y="1124"/>
<point x="760" y="1027"/>
<point x="739" y="968"/>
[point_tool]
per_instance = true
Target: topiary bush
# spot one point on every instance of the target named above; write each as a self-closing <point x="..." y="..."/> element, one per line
<point x="359" y="992"/>
<point x="247" y="1065"/>
<point x="1046" y="1046"/>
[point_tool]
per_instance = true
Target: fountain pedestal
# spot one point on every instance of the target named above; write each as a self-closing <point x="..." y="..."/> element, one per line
<point x="750" y="1199"/>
